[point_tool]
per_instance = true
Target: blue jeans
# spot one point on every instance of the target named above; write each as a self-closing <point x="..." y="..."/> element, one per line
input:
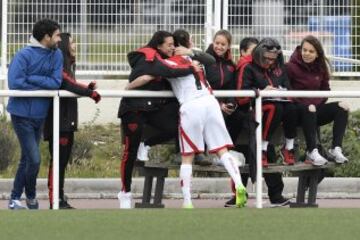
<point x="28" y="131"/>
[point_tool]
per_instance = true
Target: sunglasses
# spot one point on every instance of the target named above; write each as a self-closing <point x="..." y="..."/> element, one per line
<point x="276" y="47"/>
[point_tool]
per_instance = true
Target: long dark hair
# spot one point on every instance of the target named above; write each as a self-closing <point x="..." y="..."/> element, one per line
<point x="64" y="46"/>
<point x="158" y="38"/>
<point x="267" y="45"/>
<point x="321" y="59"/>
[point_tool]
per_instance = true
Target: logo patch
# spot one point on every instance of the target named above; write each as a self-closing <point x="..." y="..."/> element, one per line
<point x="132" y="126"/>
<point x="231" y="68"/>
<point x="277" y="72"/>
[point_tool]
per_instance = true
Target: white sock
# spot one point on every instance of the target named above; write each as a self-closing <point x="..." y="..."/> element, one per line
<point x="232" y="168"/>
<point x="289" y="143"/>
<point x="185" y="177"/>
<point x="265" y="145"/>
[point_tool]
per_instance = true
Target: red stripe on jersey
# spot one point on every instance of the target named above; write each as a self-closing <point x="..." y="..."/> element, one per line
<point x="188" y="140"/>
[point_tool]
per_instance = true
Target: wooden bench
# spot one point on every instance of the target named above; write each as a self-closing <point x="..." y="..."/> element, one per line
<point x="308" y="175"/>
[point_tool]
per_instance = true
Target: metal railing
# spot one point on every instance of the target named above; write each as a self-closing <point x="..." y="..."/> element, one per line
<point x="56" y="95"/>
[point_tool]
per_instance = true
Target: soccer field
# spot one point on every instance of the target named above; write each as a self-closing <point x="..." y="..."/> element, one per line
<point x="280" y="223"/>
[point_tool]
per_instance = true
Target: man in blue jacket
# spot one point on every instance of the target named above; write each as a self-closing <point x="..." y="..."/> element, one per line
<point x="37" y="66"/>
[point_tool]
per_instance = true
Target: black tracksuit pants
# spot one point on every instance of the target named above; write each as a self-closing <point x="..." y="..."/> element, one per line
<point x="275" y="113"/>
<point x="66" y="142"/>
<point x="132" y="124"/>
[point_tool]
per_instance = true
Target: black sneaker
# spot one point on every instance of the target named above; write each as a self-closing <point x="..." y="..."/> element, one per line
<point x="280" y="202"/>
<point x="65" y="205"/>
<point x="32" y="203"/>
<point x="231" y="202"/>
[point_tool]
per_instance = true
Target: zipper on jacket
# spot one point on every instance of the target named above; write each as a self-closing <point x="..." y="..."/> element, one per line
<point x="268" y="78"/>
<point x="221" y="75"/>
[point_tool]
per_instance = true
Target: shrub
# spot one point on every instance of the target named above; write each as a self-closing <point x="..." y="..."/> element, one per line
<point x="8" y="144"/>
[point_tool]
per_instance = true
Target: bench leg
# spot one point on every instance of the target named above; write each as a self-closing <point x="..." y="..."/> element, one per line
<point x="147" y="189"/>
<point x="305" y="178"/>
<point x="313" y="189"/>
<point x="150" y="173"/>
<point x="159" y="189"/>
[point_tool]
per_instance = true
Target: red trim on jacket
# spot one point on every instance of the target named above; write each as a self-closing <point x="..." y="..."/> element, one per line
<point x="149" y="53"/>
<point x="67" y="77"/>
<point x="242" y="63"/>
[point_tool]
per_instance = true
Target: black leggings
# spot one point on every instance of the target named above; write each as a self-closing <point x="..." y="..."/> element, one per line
<point x="324" y="114"/>
<point x="66" y="142"/>
<point x="275" y="113"/>
<point x="132" y="125"/>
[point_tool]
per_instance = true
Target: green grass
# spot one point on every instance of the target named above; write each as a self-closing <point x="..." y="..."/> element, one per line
<point x="174" y="224"/>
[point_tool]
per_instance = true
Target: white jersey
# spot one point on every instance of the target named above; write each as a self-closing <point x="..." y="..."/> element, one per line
<point x="201" y="120"/>
<point x="185" y="88"/>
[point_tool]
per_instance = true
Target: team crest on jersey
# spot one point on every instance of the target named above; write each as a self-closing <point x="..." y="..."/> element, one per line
<point x="277" y="72"/>
<point x="132" y="126"/>
<point x="231" y="68"/>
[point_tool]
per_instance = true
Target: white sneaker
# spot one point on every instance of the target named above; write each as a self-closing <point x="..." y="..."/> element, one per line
<point x="125" y="200"/>
<point x="216" y="161"/>
<point x="316" y="158"/>
<point x="337" y="155"/>
<point x="143" y="152"/>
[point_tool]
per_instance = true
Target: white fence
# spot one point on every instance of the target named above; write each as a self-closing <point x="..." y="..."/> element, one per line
<point x="133" y="93"/>
<point x="107" y="30"/>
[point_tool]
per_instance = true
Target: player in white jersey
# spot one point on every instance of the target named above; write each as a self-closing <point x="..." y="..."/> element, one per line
<point x="201" y="122"/>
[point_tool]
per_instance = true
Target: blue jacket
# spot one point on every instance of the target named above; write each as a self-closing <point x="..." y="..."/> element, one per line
<point x="34" y="68"/>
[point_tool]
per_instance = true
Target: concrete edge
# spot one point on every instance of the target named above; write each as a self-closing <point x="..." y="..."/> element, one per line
<point x="202" y="188"/>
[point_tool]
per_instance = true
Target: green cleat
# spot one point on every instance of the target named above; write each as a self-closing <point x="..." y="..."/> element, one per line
<point x="188" y="206"/>
<point x="241" y="198"/>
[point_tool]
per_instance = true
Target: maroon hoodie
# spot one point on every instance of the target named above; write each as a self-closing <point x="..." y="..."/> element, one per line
<point x="305" y="76"/>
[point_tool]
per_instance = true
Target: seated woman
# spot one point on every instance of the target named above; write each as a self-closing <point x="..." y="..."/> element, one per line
<point x="308" y="70"/>
<point x="267" y="72"/>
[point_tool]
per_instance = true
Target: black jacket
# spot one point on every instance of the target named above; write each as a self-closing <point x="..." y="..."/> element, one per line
<point x="148" y="61"/>
<point x="68" y="107"/>
<point x="256" y="77"/>
<point x="221" y="74"/>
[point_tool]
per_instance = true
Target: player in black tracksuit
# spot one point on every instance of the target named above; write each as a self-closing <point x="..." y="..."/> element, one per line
<point x="68" y="116"/>
<point x="157" y="112"/>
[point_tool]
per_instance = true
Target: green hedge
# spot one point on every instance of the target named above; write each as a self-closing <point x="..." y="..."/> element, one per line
<point x="97" y="150"/>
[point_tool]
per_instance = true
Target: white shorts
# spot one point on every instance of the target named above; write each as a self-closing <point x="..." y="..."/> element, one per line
<point x="201" y="121"/>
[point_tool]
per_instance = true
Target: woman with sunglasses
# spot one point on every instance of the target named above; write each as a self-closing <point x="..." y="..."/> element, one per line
<point x="267" y="72"/>
<point x="308" y="69"/>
